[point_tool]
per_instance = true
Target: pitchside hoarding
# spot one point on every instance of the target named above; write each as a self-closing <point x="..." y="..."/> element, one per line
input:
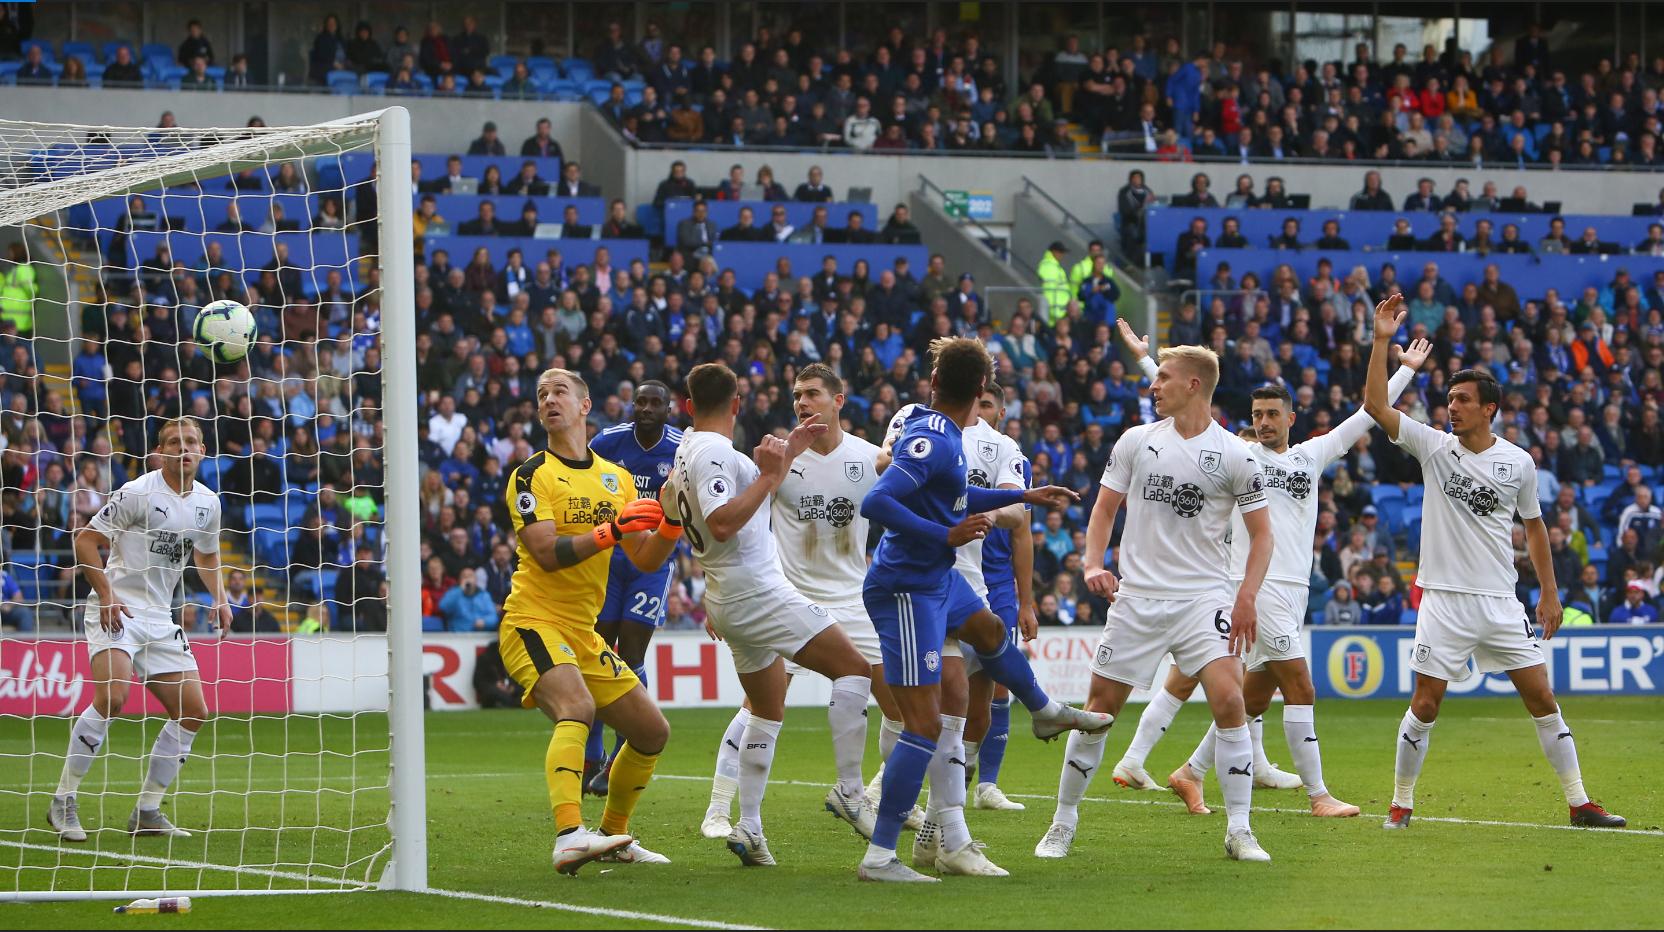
<point x="339" y="673"/>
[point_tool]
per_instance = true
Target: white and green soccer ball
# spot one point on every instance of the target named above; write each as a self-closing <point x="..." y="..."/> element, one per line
<point x="225" y="330"/>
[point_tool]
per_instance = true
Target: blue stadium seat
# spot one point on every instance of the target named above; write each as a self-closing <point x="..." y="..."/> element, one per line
<point x="343" y="82"/>
<point x="1407" y="617"/>
<point x="578" y="69"/>
<point x="536" y="62"/>
<point x="8" y="72"/>
<point x="376" y="82"/>
<point x="752" y="261"/>
<point x="46" y="53"/>
<point x="154" y="50"/>
<point x="503" y="64"/>
<point x="81" y="50"/>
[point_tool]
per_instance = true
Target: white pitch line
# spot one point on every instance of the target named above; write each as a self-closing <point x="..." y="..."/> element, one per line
<point x="679" y="921"/>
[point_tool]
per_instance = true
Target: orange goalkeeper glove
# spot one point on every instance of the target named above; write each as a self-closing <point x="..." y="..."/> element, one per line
<point x="643" y="514"/>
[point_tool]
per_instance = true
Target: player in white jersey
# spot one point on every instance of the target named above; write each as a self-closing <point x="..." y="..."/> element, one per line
<point x="719" y="497"/>
<point x="152" y="527"/>
<point x="1181" y="478"/>
<point x="822" y="539"/>
<point x="1278" y="658"/>
<point x="1476" y="482"/>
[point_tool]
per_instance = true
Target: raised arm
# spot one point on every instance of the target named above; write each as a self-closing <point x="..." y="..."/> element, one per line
<point x="1389" y="316"/>
<point x="1360" y="422"/>
<point x="1140" y="347"/>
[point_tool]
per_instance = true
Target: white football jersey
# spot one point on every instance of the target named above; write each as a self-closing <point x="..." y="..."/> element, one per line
<point x="991" y="460"/>
<point x="153" y="531"/>
<point x="1291" y="482"/>
<point x="708" y="473"/>
<point x="1180" y="496"/>
<point x="1467" y="516"/>
<point x="818" y="522"/>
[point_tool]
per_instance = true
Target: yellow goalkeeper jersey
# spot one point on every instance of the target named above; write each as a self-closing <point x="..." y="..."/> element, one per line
<point x="577" y="495"/>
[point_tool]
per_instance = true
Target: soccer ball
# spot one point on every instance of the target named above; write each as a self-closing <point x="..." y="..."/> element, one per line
<point x="224" y="330"/>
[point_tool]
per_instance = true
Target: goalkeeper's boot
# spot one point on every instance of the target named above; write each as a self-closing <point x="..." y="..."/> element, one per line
<point x="151" y="822"/>
<point x="580" y="846"/>
<point x="1591" y="815"/>
<point x="64" y="816"/>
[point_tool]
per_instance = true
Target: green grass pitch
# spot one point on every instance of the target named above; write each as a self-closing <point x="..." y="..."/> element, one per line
<point x="1504" y="858"/>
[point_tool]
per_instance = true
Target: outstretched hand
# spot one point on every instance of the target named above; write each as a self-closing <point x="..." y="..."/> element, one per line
<point x="1051" y="496"/>
<point x="1140" y="346"/>
<point x="1389" y="316"/>
<point x="1416" y="353"/>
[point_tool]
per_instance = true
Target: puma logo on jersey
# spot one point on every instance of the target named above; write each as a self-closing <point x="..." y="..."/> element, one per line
<point x="1152" y="449"/>
<point x="160" y="510"/>
<point x="732" y="745"/>
<point x="1412" y="742"/>
<point x="796" y="472"/>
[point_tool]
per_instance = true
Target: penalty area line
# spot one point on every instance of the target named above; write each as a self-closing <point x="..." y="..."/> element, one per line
<point x="678" y="921"/>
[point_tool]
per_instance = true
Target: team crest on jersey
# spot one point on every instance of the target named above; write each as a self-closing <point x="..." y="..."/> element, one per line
<point x="1104" y="653"/>
<point x="817" y="609"/>
<point x="1504" y="472"/>
<point x="1423" y="652"/>
<point x="203" y="516"/>
<point x="1280" y="644"/>
<point x="1208" y="460"/>
<point x="664" y="470"/>
<point x="918" y="448"/>
<point x="932" y="660"/>
<point x="987" y="451"/>
<point x="610" y="480"/>
<point x="853" y="471"/>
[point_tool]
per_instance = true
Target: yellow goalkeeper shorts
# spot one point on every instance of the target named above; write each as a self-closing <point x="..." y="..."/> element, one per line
<point x="532" y="647"/>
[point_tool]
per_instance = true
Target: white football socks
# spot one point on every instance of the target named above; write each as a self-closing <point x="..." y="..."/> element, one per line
<point x="756" y="757"/>
<point x="86" y="738"/>
<point x="727" y="779"/>
<point x="1081" y="759"/>
<point x="1233" y="758"/>
<point x="1561" y="751"/>
<point x="1152" y="725"/>
<point x="947" y="785"/>
<point x="847" y="714"/>
<point x="1300" y="728"/>
<point x="1414" y="735"/>
<point x="167" y="755"/>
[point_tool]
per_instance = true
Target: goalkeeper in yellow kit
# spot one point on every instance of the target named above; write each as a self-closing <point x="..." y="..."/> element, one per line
<point x="569" y="507"/>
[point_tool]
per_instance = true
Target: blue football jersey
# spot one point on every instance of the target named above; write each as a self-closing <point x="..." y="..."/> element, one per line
<point x="618" y="444"/>
<point x="996" y="547"/>
<point x="929" y="462"/>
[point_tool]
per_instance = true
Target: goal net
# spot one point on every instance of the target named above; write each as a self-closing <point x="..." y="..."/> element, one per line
<point x="306" y="776"/>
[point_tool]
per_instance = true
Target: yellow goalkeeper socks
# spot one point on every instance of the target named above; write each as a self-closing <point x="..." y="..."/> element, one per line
<point x="631" y="770"/>
<point x="563" y="768"/>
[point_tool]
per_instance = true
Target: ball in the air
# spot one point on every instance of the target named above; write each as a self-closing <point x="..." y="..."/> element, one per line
<point x="224" y="330"/>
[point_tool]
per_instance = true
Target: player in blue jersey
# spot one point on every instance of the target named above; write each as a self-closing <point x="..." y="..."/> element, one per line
<point x="1008" y="571"/>
<point x="915" y="598"/>
<point x="634" y="606"/>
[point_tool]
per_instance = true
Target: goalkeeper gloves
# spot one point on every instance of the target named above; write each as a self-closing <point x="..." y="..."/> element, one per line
<point x="643" y="514"/>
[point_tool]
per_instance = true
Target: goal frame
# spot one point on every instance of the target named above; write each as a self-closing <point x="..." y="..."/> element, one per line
<point x="407" y="867"/>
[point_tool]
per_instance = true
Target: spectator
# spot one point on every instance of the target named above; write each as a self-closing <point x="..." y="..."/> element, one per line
<point x="861" y="128"/>
<point x="329" y="51"/>
<point x="1342" y="609"/>
<point x="814" y="189"/>
<point x="363" y="51"/>
<point x="122" y="71"/>
<point x="572" y="184"/>
<point x="469" y="50"/>
<point x="1635" y="608"/>
<point x="1644" y="518"/>
<point x="195" y="45"/>
<point x="678" y="184"/>
<point x="467" y="606"/>
<point x="697" y="235"/>
<point x="487" y="143"/>
<point x="1372" y="197"/>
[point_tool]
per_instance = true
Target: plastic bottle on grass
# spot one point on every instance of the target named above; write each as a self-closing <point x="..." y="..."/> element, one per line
<point x="166" y="904"/>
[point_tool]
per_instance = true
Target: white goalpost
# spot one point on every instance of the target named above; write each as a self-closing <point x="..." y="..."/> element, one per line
<point x="308" y="775"/>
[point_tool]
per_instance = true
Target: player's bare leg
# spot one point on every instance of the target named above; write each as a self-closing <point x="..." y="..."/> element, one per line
<point x="562" y="696"/>
<point x="1158" y="715"/>
<point x="765" y="695"/>
<point x="112" y="677"/>
<point x="833" y="655"/>
<point x="1081" y="759"/>
<point x="181" y="696"/>
<point x="1558" y="745"/>
<point x="1294" y="678"/>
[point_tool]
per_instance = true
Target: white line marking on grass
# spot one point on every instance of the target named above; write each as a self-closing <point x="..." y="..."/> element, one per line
<point x="1277" y="809"/>
<point x="679" y="921"/>
<point x="181" y="864"/>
